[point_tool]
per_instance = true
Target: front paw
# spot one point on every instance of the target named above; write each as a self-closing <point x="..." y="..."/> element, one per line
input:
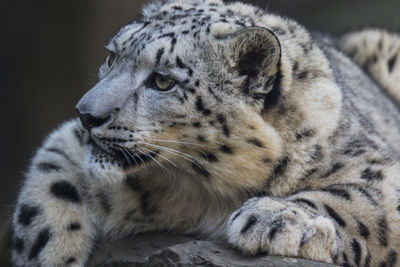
<point x="277" y="227"/>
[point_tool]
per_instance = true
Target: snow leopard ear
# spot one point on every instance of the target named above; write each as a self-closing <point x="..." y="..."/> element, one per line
<point x="256" y="53"/>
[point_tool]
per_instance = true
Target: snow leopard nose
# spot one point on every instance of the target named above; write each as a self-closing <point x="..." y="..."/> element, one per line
<point x="89" y="121"/>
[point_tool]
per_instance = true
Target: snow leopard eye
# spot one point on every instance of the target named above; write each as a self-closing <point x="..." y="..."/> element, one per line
<point x="163" y="83"/>
<point x="111" y="59"/>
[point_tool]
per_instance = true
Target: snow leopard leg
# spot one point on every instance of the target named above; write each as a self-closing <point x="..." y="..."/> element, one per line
<point x="51" y="223"/>
<point x="378" y="52"/>
<point x="341" y="224"/>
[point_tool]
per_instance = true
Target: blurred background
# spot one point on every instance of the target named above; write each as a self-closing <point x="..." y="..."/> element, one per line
<point x="50" y="52"/>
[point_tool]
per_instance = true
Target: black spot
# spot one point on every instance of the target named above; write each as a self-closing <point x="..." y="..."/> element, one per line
<point x="380" y="44"/>
<point x="226" y="130"/>
<point x="209" y="157"/>
<point x="295" y="66"/>
<point x="104" y="201"/>
<point x="173" y="42"/>
<point x="246" y="86"/>
<point x="364" y="192"/>
<point x="200" y="106"/>
<point x="236" y="215"/>
<point x="305" y="201"/>
<point x="392" y="62"/>
<point x="226" y="149"/>
<point x="48" y="167"/>
<point x="308" y="174"/>
<point x="133" y="183"/>
<point x="18" y="245"/>
<point x="382" y="231"/>
<point x="357" y="251"/>
<point x="240" y="23"/>
<point x="255" y="141"/>
<point x="190" y="90"/>
<point x="316" y="153"/>
<point x="251" y="221"/>
<point x="197" y="83"/>
<point x="40" y="242"/>
<point x="70" y="260"/>
<point x="367" y="261"/>
<point x="280" y="167"/>
<point x="221" y="119"/>
<point x="266" y="160"/>
<point x="357" y="147"/>
<point x="160" y="52"/>
<point x="27" y="214"/>
<point x="338" y="192"/>
<point x="79" y="136"/>
<point x="210" y="90"/>
<point x="201" y="138"/>
<point x="304" y="133"/>
<point x="200" y="169"/>
<point x="179" y="63"/>
<point x="129" y="214"/>
<point x="169" y="34"/>
<point x="135" y="100"/>
<point x="335" y="216"/>
<point x="371" y="175"/>
<point x="362" y="229"/>
<point x="335" y="258"/>
<point x="302" y="75"/>
<point x="335" y="168"/>
<point x="376" y="162"/>
<point x="345" y="260"/>
<point x="304" y="239"/>
<point x="276" y="227"/>
<point x="74" y="226"/>
<point x="146" y="206"/>
<point x="65" y="191"/>
<point x="59" y="152"/>
<point x="196" y="124"/>
<point x="391" y="258"/>
<point x="181" y="99"/>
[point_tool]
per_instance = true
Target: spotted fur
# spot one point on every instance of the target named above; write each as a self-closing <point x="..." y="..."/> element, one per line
<point x="268" y="137"/>
<point x="378" y="52"/>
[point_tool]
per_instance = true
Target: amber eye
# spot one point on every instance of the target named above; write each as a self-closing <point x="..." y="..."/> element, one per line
<point x="111" y="59"/>
<point x="163" y="83"/>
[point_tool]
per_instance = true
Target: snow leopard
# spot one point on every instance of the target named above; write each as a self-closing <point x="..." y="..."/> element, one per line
<point x="227" y="121"/>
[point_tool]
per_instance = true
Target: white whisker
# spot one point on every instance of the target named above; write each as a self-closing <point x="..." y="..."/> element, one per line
<point x="139" y="156"/>
<point x="129" y="153"/>
<point x="126" y="157"/>
<point x="176" y="152"/>
<point x="149" y="155"/>
<point x="174" y="141"/>
<point x="161" y="156"/>
<point x="169" y="149"/>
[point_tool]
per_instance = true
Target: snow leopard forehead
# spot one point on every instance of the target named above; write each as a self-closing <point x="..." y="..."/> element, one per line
<point x="175" y="22"/>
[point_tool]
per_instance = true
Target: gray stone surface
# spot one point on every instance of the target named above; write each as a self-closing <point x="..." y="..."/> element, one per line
<point x="163" y="249"/>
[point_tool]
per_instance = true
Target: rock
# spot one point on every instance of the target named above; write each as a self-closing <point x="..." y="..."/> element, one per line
<point x="164" y="249"/>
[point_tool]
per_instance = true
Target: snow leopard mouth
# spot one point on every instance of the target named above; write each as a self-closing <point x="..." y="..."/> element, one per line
<point x="120" y="156"/>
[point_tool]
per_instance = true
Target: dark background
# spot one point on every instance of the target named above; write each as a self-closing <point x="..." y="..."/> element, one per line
<point x="50" y="51"/>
